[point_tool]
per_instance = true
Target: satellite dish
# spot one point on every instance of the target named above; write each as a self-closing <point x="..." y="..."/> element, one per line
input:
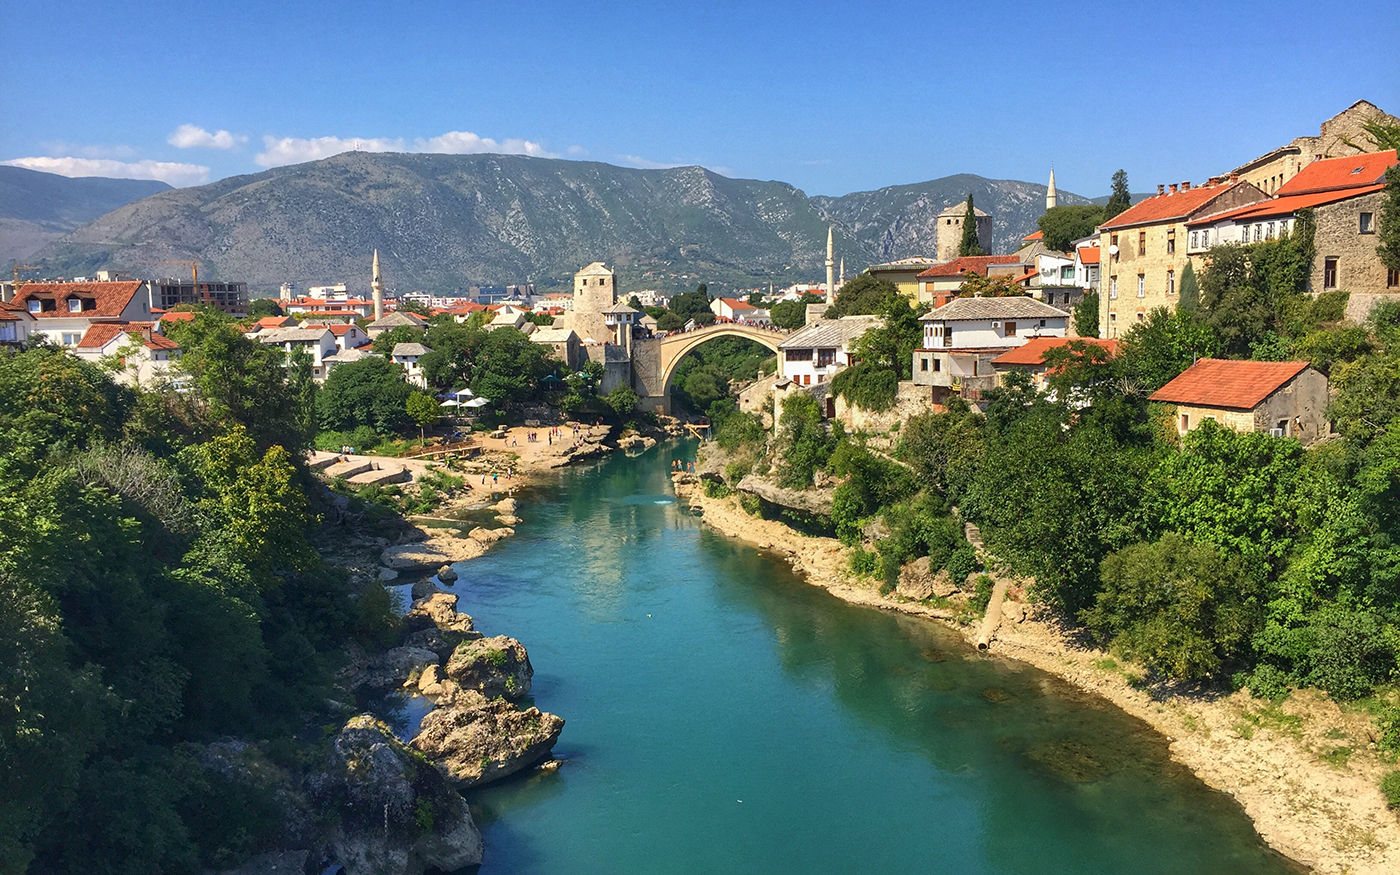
<point x="1113" y="250"/>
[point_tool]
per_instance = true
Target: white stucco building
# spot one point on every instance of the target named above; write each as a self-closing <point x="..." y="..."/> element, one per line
<point x="962" y="338"/>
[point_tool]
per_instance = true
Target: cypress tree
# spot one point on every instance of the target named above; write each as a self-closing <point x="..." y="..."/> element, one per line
<point x="969" y="244"/>
<point x="1189" y="300"/>
<point x="1389" y="231"/>
<point x="1119" y="199"/>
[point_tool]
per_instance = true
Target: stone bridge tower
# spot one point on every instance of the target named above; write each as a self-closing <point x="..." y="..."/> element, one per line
<point x="595" y="291"/>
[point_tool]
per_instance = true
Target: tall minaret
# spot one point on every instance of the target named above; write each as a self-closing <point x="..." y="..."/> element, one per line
<point x="376" y="284"/>
<point x="1051" y="196"/>
<point x="830" y="262"/>
<point x="843" y="272"/>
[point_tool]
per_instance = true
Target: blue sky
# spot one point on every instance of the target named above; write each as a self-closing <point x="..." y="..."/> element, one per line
<point x="832" y="98"/>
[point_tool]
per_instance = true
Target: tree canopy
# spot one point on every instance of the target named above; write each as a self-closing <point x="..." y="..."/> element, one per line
<point x="969" y="244"/>
<point x="1061" y="226"/>
<point x="1119" y="198"/>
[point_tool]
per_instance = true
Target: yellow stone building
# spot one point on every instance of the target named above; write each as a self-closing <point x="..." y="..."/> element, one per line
<point x="1144" y="248"/>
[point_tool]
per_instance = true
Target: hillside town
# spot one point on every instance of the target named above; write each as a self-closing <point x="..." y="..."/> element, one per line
<point x="1154" y="452"/>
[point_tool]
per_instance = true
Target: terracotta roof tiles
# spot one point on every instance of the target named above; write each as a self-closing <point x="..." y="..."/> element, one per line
<point x="1238" y="385"/>
<point x="1032" y="352"/>
<point x="109" y="299"/>
<point x="1328" y="174"/>
<point x="1166" y="207"/>
<point x="977" y="264"/>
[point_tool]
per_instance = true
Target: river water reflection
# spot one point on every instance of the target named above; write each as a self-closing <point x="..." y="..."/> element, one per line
<point x="724" y="716"/>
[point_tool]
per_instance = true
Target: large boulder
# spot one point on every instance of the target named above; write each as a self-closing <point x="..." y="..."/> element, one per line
<point x="915" y="580"/>
<point x="430" y="555"/>
<point x="437" y="611"/>
<point x="495" y="666"/>
<point x="390" y="669"/>
<point x="485" y="741"/>
<point x="484" y="535"/>
<point x="396" y="813"/>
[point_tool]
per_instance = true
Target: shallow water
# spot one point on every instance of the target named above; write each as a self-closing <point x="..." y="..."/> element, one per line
<point x="724" y="716"/>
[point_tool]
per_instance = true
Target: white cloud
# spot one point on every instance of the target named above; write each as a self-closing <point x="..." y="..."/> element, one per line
<point x="165" y="171"/>
<point x="195" y="137"/>
<point x="647" y="164"/>
<point x="62" y="147"/>
<point x="577" y="151"/>
<point x="278" y="151"/>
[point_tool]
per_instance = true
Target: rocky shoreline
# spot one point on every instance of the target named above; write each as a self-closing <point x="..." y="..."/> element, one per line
<point x="1273" y="759"/>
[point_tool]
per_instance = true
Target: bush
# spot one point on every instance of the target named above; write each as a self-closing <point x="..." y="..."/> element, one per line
<point x="1267" y="681"/>
<point x="1390" y="786"/>
<point x="981" y="594"/>
<point x="715" y="489"/>
<point x="1388" y="728"/>
<point x="867" y="385"/>
<point x="962" y="563"/>
<point x="864" y="562"/>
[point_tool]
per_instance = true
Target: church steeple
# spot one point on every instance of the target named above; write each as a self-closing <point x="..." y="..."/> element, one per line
<point x="376" y="284"/>
<point x="1051" y="196"/>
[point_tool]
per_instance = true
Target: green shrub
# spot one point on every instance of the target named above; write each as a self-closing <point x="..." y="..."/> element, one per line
<point x="865" y="563"/>
<point x="1390" y="786"/>
<point x="1267" y="681"/>
<point x="867" y="385"/>
<point x="981" y="594"/>
<point x="715" y="489"/>
<point x="1388" y="727"/>
<point x="961" y="563"/>
<point x="751" y="504"/>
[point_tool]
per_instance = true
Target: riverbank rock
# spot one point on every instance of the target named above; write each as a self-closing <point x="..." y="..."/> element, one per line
<point x="429" y="555"/>
<point x="507" y="519"/>
<point x="506" y="505"/>
<point x="438" y="611"/>
<point x="486" y="742"/>
<point x="484" y="535"/>
<point x="915" y="580"/>
<point x="397" y="815"/>
<point x="390" y="669"/>
<point x="813" y="501"/>
<point x="495" y="666"/>
<point x="447" y="574"/>
<point x="422" y="589"/>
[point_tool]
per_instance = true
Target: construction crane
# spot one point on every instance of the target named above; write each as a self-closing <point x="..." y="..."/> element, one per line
<point x="20" y="267"/>
<point x="194" y="272"/>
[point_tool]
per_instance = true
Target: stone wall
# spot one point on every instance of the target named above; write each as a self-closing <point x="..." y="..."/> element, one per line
<point x="909" y="400"/>
<point x="1301" y="403"/>
<point x="1359" y="268"/>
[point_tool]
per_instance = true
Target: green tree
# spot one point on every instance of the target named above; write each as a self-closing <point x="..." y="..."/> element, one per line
<point x="692" y="305"/>
<point x="1182" y="609"/>
<point x="622" y="400"/>
<point x="261" y="307"/>
<point x="803" y="444"/>
<point x="1086" y="314"/>
<point x="423" y="409"/>
<point x="407" y="305"/>
<point x="1155" y="351"/>
<point x="969" y="244"/>
<point x="384" y="344"/>
<point x="1189" y="300"/>
<point x="1388" y="232"/>
<point x="1119" y="198"/>
<point x="508" y="366"/>
<point x="1061" y="226"/>
<point x="864" y="294"/>
<point x="368" y="392"/>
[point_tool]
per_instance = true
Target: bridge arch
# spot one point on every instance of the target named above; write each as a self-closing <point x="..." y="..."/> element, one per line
<point x="674" y="348"/>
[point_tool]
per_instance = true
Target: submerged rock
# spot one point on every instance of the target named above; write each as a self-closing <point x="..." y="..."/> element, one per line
<point x="486" y="741"/>
<point x="447" y="574"/>
<point x="494" y="666"/>
<point x="397" y="814"/>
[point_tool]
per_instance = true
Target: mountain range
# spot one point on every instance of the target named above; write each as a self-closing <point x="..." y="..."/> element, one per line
<point x="37" y="208"/>
<point x="443" y="222"/>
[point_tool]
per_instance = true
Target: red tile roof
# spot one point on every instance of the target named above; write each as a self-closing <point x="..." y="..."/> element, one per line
<point x="9" y="312"/>
<point x="1088" y="255"/>
<point x="1327" y="174"/>
<point x="1032" y="352"/>
<point x="1286" y="205"/>
<point x="1166" y="207"/>
<point x="275" y="322"/>
<point x="977" y="264"/>
<point x="340" y="328"/>
<point x="100" y="334"/>
<point x="177" y="316"/>
<point x="1038" y="235"/>
<point x="1239" y="385"/>
<point x="109" y="299"/>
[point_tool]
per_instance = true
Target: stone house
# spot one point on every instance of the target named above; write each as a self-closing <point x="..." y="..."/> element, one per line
<point x="822" y="349"/>
<point x="962" y="338"/>
<point x="950" y="229"/>
<point x="1345" y="197"/>
<point x="1029" y="358"/>
<point x="904" y="273"/>
<point x="939" y="284"/>
<point x="1144" y="248"/>
<point x="564" y="344"/>
<point x="1337" y="137"/>
<point x="318" y="343"/>
<point x="407" y="355"/>
<point x="1285" y="399"/>
<point x="394" y="320"/>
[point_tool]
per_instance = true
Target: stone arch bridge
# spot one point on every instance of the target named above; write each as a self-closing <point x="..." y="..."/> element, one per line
<point x="654" y="359"/>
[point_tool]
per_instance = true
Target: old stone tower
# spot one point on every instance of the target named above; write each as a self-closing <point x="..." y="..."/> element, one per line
<point x="950" y="223"/>
<point x="594" y="292"/>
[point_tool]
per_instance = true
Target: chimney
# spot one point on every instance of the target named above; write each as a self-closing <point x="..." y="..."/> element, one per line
<point x="1186" y="186"/>
<point x="1160" y="187"/>
<point x="1234" y="177"/>
<point x="1173" y="187"/>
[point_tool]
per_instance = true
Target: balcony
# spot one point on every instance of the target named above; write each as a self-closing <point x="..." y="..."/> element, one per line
<point x="971" y="388"/>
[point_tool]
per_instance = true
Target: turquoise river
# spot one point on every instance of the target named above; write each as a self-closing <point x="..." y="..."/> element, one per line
<point x="723" y="716"/>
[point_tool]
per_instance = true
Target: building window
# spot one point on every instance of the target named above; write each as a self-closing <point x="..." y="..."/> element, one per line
<point x="34" y="306"/>
<point x="1142" y="286"/>
<point x="1113" y="287"/>
<point x="1329" y="272"/>
<point x="70" y="338"/>
<point x="923" y="364"/>
<point x="937" y="366"/>
<point x="825" y="357"/>
<point x="1171" y="282"/>
<point x="1010" y="329"/>
<point x="75" y="305"/>
<point x="1367" y="224"/>
<point x="1258" y="232"/>
<point x="1171" y="241"/>
<point x="1269" y="232"/>
<point x="1194" y="239"/>
<point x="1392" y="278"/>
<point x="1142" y="243"/>
<point x="1185" y="422"/>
